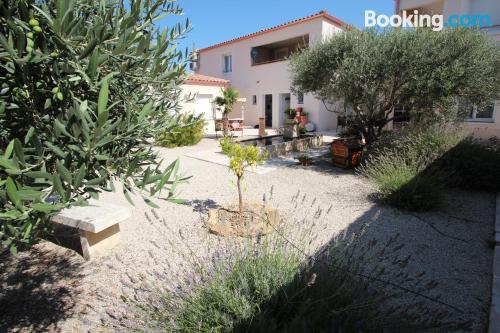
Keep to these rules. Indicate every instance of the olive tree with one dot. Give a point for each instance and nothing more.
(84, 88)
(371, 72)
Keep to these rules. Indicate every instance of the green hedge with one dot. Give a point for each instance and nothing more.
(188, 132)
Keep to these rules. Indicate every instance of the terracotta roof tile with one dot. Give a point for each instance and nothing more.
(339, 23)
(206, 80)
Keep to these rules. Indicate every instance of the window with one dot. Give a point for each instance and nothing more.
(254, 99)
(227, 64)
(281, 53)
(485, 114)
(401, 117)
(300, 98)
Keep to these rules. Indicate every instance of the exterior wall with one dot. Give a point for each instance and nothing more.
(189, 92)
(270, 78)
(486, 128)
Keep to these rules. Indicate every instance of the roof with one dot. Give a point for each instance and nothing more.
(322, 14)
(198, 79)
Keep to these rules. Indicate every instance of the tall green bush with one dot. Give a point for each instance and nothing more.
(85, 86)
(188, 132)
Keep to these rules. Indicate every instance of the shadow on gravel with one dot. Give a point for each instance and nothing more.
(37, 289)
(202, 206)
(390, 271)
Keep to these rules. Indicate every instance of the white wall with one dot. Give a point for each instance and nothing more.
(189, 92)
(270, 78)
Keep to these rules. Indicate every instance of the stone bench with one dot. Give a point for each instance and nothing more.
(98, 226)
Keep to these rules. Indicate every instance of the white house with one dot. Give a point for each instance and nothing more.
(483, 123)
(257, 65)
(198, 94)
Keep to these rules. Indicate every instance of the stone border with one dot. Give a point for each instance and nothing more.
(494, 324)
(298, 144)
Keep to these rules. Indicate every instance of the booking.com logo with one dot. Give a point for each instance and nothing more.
(413, 19)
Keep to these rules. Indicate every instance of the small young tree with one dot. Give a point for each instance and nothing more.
(239, 159)
(372, 72)
(226, 102)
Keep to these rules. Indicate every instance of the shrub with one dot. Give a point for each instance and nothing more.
(85, 85)
(187, 132)
(473, 164)
(411, 167)
(270, 287)
(406, 166)
(402, 183)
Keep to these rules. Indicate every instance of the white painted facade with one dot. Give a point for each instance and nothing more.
(485, 127)
(198, 99)
(254, 82)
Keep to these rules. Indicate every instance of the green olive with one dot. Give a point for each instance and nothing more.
(29, 34)
(54, 54)
(34, 22)
(30, 42)
(29, 49)
(37, 29)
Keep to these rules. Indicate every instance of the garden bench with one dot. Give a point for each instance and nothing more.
(98, 226)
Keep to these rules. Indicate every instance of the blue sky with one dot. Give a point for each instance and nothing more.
(216, 21)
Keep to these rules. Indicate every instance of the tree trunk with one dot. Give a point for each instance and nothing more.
(225, 123)
(240, 198)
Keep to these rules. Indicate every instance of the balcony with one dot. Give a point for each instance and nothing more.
(429, 7)
(278, 51)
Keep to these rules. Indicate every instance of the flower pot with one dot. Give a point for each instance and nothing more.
(302, 120)
(346, 153)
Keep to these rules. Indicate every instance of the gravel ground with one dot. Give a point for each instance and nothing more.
(444, 255)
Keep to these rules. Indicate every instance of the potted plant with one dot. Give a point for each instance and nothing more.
(302, 118)
(304, 160)
(290, 113)
(302, 131)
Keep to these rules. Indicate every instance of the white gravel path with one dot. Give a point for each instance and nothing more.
(52, 289)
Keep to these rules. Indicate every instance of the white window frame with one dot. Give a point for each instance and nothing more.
(224, 68)
(474, 118)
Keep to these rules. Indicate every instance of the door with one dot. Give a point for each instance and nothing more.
(269, 110)
(203, 106)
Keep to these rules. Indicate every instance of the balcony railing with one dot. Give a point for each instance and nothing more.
(278, 51)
